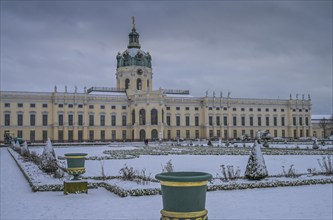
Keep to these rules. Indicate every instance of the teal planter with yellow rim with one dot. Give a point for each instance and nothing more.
(184, 195)
(75, 164)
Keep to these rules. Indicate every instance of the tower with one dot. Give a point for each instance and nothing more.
(134, 70)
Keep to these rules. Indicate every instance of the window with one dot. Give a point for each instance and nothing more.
(91, 106)
(196, 119)
(210, 120)
(234, 121)
(32, 136)
(275, 121)
(274, 110)
(187, 108)
(138, 84)
(251, 109)
(225, 108)
(80, 120)
(283, 133)
(32, 105)
(142, 117)
(20, 105)
(113, 120)
(168, 120)
(294, 121)
(102, 120)
(61, 120)
(225, 120)
(242, 109)
(218, 123)
(282, 109)
(187, 120)
(102, 135)
(80, 106)
(226, 134)
(178, 133)
(259, 121)
(80, 135)
(234, 109)
(251, 120)
(267, 121)
(196, 109)
(113, 135)
(32, 120)
(243, 120)
(70, 136)
(44, 105)
(168, 108)
(177, 120)
(20, 119)
(218, 133)
(124, 134)
(127, 82)
(123, 107)
(91, 120)
(301, 123)
(282, 121)
(60, 105)
(301, 111)
(307, 122)
(187, 134)
(235, 133)
(196, 133)
(70, 120)
(123, 120)
(294, 110)
(7, 119)
(154, 116)
(113, 107)
(45, 120)
(217, 108)
(259, 109)
(102, 107)
(7, 105)
(267, 109)
(178, 108)
(210, 108)
(44, 135)
(91, 135)
(70, 105)
(211, 133)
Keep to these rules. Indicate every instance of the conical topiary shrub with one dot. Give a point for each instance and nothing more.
(256, 168)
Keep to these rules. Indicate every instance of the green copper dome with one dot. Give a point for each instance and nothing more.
(133, 55)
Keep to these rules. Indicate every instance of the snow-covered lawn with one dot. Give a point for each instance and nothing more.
(301, 202)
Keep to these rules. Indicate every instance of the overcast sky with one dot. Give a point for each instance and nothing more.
(254, 49)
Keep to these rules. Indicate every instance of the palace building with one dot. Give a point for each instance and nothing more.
(133, 110)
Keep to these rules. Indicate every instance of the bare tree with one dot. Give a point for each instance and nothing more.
(326, 124)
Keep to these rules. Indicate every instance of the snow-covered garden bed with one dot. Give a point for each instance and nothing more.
(208, 158)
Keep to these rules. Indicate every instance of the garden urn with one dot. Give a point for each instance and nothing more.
(75, 164)
(184, 195)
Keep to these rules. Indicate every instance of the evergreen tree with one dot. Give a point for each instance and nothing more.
(256, 168)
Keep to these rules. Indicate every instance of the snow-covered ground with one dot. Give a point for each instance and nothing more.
(302, 202)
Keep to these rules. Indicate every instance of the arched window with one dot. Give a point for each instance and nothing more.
(138, 84)
(153, 117)
(142, 117)
(142, 135)
(154, 134)
(133, 117)
(127, 82)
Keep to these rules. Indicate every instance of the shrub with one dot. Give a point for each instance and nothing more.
(326, 165)
(168, 167)
(290, 173)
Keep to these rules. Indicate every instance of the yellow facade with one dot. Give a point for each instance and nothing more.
(134, 111)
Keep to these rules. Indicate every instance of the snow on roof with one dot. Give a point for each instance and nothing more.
(179, 96)
(109, 93)
(319, 117)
